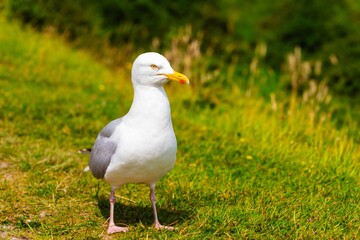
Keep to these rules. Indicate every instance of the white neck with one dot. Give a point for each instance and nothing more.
(150, 105)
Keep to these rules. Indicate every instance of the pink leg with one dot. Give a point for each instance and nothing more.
(112, 227)
(157, 225)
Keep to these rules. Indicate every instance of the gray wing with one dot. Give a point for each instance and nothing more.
(103, 150)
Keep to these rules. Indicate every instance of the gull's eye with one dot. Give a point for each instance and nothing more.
(154, 67)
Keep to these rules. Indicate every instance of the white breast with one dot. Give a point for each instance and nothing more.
(146, 143)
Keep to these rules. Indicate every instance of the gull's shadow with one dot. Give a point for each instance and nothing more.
(133, 214)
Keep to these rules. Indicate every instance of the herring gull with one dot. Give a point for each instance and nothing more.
(139, 147)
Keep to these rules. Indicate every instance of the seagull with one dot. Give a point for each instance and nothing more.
(139, 147)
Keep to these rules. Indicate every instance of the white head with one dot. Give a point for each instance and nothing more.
(153, 69)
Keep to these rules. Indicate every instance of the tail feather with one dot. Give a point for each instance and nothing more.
(85, 151)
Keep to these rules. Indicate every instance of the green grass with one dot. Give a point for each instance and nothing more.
(245, 169)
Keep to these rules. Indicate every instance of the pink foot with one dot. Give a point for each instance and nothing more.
(115, 229)
(158, 226)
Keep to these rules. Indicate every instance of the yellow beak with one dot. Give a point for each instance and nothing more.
(176, 76)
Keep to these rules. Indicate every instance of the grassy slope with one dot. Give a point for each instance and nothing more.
(243, 169)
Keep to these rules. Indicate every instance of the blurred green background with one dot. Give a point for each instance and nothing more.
(325, 30)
